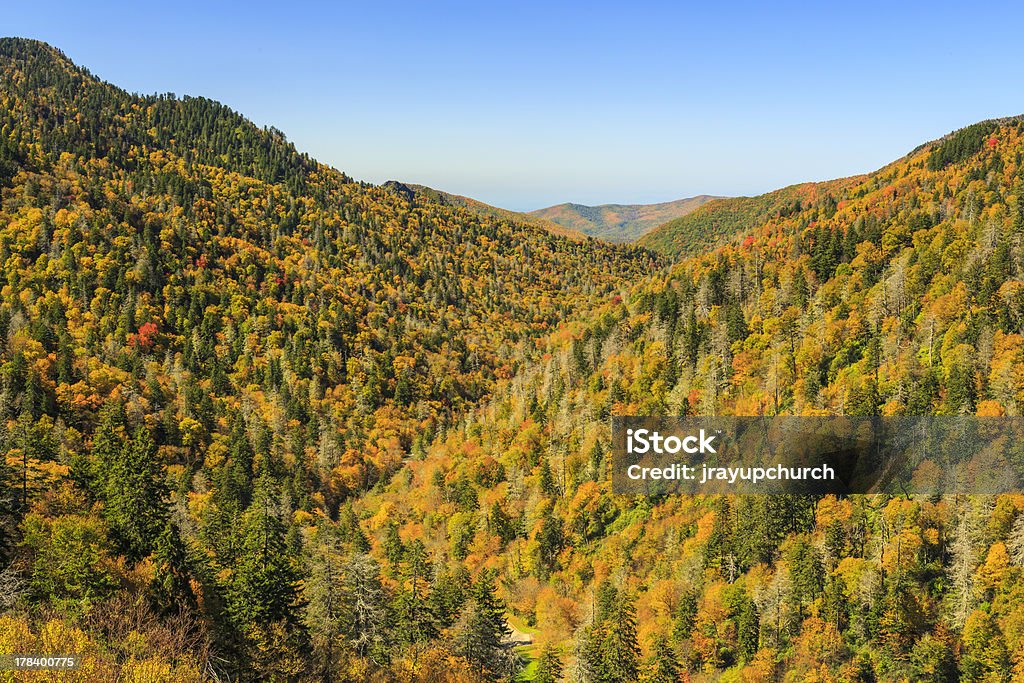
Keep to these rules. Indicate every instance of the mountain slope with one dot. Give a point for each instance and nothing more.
(618, 222)
(900, 294)
(265, 423)
(210, 343)
(729, 219)
(199, 198)
(722, 220)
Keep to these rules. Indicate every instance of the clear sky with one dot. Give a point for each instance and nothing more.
(525, 104)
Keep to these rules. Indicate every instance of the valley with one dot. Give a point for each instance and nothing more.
(263, 421)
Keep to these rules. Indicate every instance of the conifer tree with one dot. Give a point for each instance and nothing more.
(326, 610)
(549, 665)
(482, 627)
(620, 653)
(135, 496)
(263, 586)
(171, 588)
(661, 666)
(607, 648)
(414, 617)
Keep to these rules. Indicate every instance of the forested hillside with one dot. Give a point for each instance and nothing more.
(262, 422)
(726, 219)
(898, 294)
(211, 344)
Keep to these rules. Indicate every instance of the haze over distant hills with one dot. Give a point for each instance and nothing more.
(619, 222)
(609, 222)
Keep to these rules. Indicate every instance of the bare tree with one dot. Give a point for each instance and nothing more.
(11, 587)
(1015, 542)
(964, 560)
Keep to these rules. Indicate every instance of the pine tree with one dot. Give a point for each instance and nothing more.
(548, 486)
(262, 588)
(748, 628)
(800, 290)
(413, 615)
(448, 594)
(549, 665)
(805, 574)
(107, 442)
(482, 627)
(134, 495)
(549, 543)
(661, 666)
(685, 616)
(393, 549)
(607, 649)
(170, 588)
(9, 501)
(620, 653)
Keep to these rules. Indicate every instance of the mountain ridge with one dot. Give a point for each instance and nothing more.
(727, 219)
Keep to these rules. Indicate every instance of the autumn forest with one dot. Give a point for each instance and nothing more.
(262, 421)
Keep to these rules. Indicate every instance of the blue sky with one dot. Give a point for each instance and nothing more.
(528, 104)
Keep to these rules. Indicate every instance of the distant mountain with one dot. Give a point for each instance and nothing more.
(618, 222)
(482, 209)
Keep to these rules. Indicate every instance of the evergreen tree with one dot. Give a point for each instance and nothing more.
(448, 594)
(549, 542)
(685, 616)
(607, 649)
(548, 486)
(263, 588)
(393, 549)
(107, 442)
(549, 666)
(171, 588)
(134, 494)
(661, 667)
(620, 653)
(748, 629)
(482, 628)
(9, 502)
(414, 617)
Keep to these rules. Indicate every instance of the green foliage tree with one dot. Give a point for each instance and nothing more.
(482, 628)
(549, 665)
